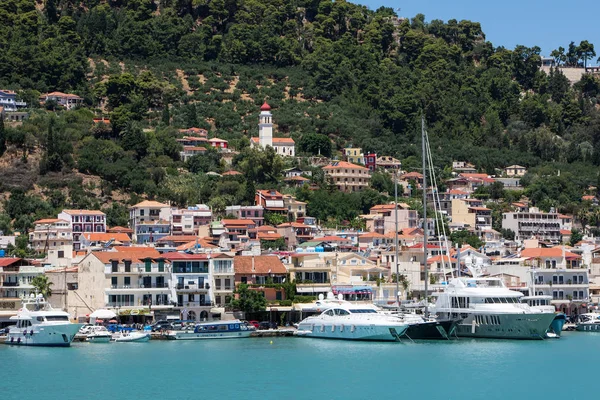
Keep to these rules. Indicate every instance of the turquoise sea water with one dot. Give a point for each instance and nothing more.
(302, 368)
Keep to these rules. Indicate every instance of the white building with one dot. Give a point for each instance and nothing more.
(533, 223)
(16, 275)
(282, 146)
(186, 221)
(150, 221)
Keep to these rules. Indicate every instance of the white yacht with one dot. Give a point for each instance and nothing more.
(488, 309)
(38, 324)
(349, 322)
(544, 304)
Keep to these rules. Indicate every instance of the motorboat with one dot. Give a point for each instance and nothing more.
(324, 303)
(38, 324)
(589, 322)
(347, 322)
(130, 336)
(233, 329)
(98, 334)
(543, 304)
(488, 309)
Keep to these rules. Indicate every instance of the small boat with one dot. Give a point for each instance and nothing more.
(233, 329)
(99, 334)
(542, 304)
(421, 328)
(38, 324)
(589, 322)
(131, 336)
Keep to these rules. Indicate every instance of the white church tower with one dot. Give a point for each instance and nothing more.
(265, 126)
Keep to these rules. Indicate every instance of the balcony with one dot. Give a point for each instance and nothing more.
(10, 284)
(196, 304)
(115, 304)
(223, 271)
(204, 287)
(140, 287)
(223, 288)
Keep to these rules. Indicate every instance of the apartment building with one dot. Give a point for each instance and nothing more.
(150, 221)
(187, 221)
(533, 223)
(254, 213)
(54, 238)
(348, 177)
(83, 221)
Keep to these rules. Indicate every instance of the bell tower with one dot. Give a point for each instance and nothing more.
(265, 126)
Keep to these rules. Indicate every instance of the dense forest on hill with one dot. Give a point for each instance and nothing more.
(335, 73)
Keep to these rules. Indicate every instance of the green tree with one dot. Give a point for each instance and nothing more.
(2, 136)
(274, 219)
(576, 237)
(466, 237)
(248, 300)
(42, 285)
(585, 51)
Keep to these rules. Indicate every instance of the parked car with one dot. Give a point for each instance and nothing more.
(256, 324)
(267, 325)
(160, 325)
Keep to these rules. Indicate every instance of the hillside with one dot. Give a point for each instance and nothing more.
(335, 74)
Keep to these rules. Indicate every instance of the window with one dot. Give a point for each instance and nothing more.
(115, 266)
(127, 281)
(161, 266)
(191, 298)
(127, 265)
(61, 254)
(218, 284)
(113, 282)
(72, 286)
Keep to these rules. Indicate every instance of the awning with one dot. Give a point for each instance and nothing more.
(312, 289)
(103, 314)
(352, 289)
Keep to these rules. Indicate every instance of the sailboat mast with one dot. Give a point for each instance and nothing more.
(396, 238)
(425, 214)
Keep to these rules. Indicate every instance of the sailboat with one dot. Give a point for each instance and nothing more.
(420, 326)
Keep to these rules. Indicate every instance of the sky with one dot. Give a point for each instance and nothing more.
(547, 24)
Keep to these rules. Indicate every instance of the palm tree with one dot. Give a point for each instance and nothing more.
(42, 285)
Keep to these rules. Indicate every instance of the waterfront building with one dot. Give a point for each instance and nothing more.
(259, 272)
(66, 294)
(138, 280)
(223, 274)
(83, 221)
(16, 275)
(561, 274)
(150, 221)
(347, 177)
(193, 284)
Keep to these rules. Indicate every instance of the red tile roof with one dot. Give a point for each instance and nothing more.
(105, 237)
(262, 265)
(5, 262)
(176, 256)
(280, 140)
(343, 164)
(547, 252)
(135, 255)
(231, 173)
(238, 222)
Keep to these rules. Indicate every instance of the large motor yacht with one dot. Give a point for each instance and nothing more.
(38, 324)
(488, 309)
(342, 320)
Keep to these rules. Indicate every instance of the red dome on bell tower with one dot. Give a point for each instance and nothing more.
(265, 107)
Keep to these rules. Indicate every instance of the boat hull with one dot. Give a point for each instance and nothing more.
(588, 327)
(505, 326)
(557, 324)
(132, 338)
(59, 335)
(433, 330)
(385, 333)
(99, 338)
(191, 335)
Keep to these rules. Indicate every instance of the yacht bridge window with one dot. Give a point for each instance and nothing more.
(499, 300)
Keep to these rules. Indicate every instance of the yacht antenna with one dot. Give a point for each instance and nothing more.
(396, 238)
(425, 214)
